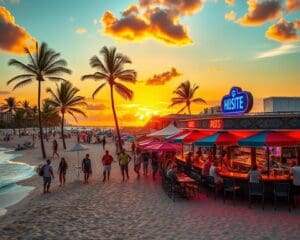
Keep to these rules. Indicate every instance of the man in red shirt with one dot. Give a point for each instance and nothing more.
(106, 161)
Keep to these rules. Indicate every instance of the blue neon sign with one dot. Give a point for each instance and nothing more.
(237, 102)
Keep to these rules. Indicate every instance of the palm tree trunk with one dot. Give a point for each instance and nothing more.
(62, 130)
(115, 117)
(40, 120)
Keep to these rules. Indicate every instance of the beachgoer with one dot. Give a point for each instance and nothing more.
(137, 159)
(47, 175)
(133, 147)
(107, 159)
(154, 164)
(62, 170)
(188, 163)
(295, 172)
(55, 147)
(214, 172)
(254, 175)
(103, 142)
(145, 157)
(171, 173)
(86, 168)
(206, 167)
(124, 160)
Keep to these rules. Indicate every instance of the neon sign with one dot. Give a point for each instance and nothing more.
(237, 101)
(216, 123)
(191, 124)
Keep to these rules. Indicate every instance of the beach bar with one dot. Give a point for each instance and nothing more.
(238, 139)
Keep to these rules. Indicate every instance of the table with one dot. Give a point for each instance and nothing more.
(184, 181)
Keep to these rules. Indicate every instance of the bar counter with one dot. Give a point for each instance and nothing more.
(241, 176)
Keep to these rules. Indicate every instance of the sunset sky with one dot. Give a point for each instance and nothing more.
(215, 44)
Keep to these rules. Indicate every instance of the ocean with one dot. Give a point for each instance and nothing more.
(10, 173)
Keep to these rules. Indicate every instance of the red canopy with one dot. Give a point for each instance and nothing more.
(163, 146)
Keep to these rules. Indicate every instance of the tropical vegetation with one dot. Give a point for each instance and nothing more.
(65, 100)
(185, 95)
(110, 71)
(44, 64)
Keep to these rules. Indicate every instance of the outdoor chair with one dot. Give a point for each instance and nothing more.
(257, 190)
(281, 190)
(211, 186)
(230, 187)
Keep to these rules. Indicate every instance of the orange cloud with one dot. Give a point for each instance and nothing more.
(292, 5)
(96, 107)
(163, 78)
(230, 16)
(260, 12)
(14, 38)
(230, 2)
(4, 92)
(297, 24)
(283, 31)
(158, 19)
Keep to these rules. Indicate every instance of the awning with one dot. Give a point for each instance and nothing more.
(145, 143)
(163, 146)
(171, 137)
(272, 138)
(193, 136)
(167, 131)
(223, 138)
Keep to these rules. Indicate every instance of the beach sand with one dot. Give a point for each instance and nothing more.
(134, 209)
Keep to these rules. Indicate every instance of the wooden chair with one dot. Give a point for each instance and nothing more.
(257, 190)
(230, 187)
(281, 190)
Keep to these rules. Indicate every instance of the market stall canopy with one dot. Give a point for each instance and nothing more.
(167, 131)
(182, 133)
(145, 143)
(223, 138)
(128, 138)
(272, 138)
(163, 146)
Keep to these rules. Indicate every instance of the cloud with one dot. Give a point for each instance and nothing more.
(261, 12)
(292, 5)
(230, 2)
(283, 31)
(4, 92)
(230, 16)
(297, 24)
(282, 50)
(96, 107)
(157, 19)
(81, 30)
(163, 78)
(14, 38)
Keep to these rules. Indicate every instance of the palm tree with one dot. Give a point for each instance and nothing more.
(25, 105)
(10, 106)
(64, 101)
(49, 116)
(185, 95)
(109, 71)
(43, 65)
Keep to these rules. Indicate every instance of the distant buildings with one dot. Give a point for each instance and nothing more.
(5, 117)
(282, 104)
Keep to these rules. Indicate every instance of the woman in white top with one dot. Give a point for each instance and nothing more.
(254, 175)
(214, 172)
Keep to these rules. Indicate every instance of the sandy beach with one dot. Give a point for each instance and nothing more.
(135, 209)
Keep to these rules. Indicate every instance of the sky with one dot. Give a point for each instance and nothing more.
(215, 44)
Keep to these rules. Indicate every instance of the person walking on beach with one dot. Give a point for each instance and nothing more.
(86, 168)
(103, 142)
(55, 148)
(62, 170)
(133, 147)
(154, 164)
(137, 160)
(47, 173)
(124, 160)
(107, 159)
(145, 158)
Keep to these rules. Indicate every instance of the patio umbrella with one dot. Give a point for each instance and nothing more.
(163, 146)
(193, 136)
(128, 138)
(77, 148)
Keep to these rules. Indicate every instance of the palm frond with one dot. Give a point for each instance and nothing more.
(22, 83)
(125, 92)
(19, 77)
(199, 100)
(22, 66)
(98, 89)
